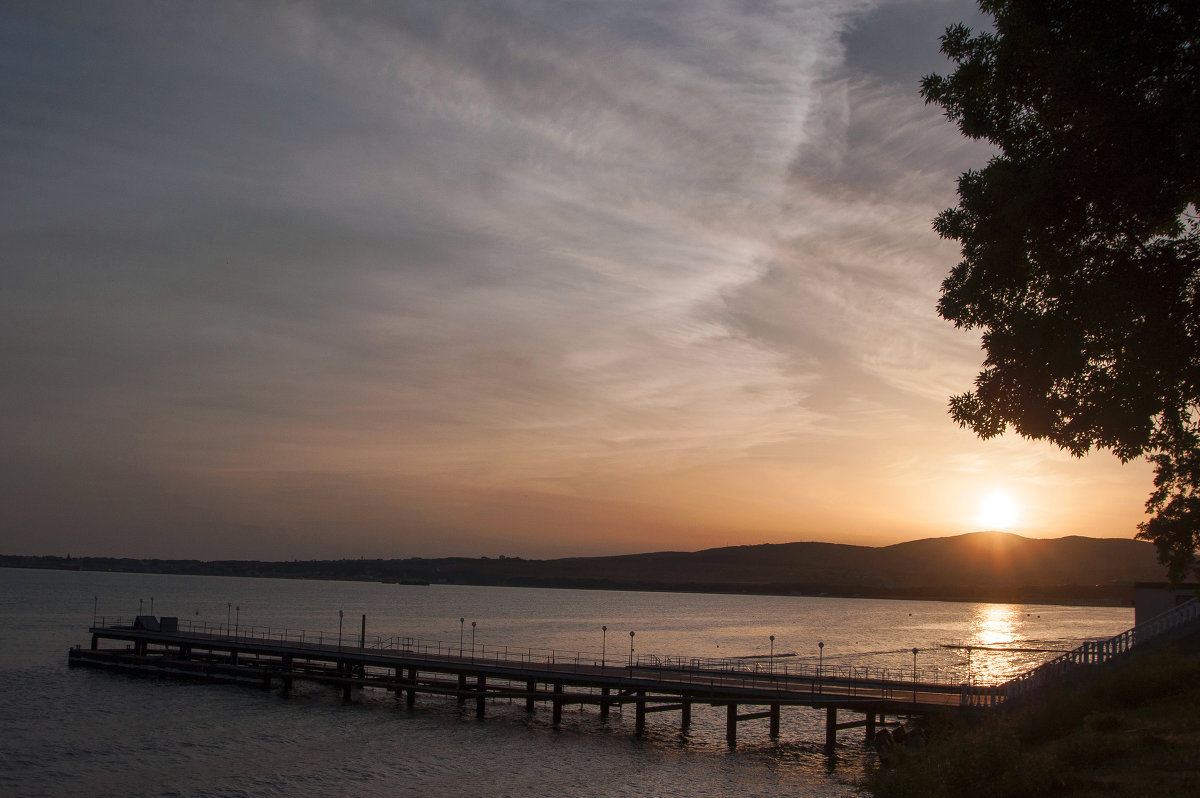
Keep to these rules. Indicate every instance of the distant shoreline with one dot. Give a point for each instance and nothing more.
(1107, 595)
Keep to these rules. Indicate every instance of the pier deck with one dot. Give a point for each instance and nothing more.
(649, 684)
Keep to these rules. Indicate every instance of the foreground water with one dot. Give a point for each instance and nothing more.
(79, 732)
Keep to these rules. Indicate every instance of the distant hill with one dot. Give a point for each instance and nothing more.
(982, 566)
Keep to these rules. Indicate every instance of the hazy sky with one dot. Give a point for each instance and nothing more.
(338, 279)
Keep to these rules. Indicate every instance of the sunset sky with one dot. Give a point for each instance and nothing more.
(322, 280)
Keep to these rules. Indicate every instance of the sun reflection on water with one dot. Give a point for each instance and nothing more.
(995, 624)
(996, 629)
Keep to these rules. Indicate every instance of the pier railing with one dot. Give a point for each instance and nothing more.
(784, 671)
(1100, 651)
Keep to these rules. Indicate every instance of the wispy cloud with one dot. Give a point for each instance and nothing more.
(440, 276)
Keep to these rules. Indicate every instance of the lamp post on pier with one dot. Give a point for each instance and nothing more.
(472, 641)
(228, 616)
(341, 614)
(631, 649)
(915, 652)
(820, 662)
(772, 653)
(237, 619)
(461, 621)
(603, 645)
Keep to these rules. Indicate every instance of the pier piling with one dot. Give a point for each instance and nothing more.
(557, 703)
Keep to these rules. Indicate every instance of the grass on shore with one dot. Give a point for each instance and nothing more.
(1130, 730)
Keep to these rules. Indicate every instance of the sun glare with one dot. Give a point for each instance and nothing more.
(998, 511)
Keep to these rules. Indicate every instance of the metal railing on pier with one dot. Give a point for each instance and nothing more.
(761, 673)
(787, 675)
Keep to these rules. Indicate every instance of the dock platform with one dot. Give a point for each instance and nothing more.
(409, 668)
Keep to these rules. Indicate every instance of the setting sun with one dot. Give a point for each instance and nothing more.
(998, 511)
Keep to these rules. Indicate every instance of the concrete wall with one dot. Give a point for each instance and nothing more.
(1151, 599)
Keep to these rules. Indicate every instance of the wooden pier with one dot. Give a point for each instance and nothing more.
(748, 692)
(410, 667)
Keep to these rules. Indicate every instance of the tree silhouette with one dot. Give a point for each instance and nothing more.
(1080, 238)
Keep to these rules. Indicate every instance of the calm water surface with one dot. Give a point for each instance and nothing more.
(79, 732)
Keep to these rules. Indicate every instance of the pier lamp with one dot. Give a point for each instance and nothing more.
(140, 606)
(341, 614)
(473, 641)
(915, 652)
(820, 658)
(237, 619)
(603, 644)
(772, 652)
(228, 616)
(631, 649)
(461, 621)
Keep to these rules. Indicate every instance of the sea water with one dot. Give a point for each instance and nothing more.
(81, 732)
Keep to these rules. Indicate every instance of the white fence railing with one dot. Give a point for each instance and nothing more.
(1098, 651)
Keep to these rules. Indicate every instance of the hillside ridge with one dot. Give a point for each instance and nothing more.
(979, 566)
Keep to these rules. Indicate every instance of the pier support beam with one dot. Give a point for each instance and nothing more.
(685, 715)
(604, 692)
(530, 689)
(640, 720)
(831, 727)
(774, 721)
(870, 726)
(462, 689)
(412, 690)
(557, 703)
(481, 700)
(731, 724)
